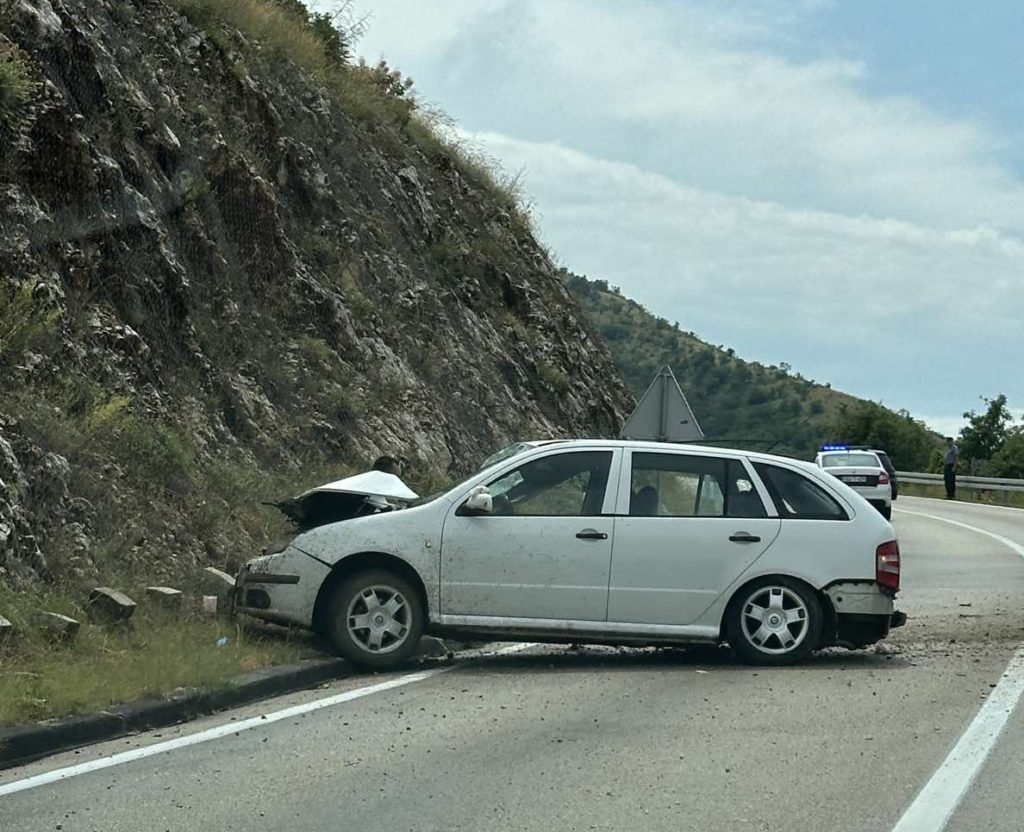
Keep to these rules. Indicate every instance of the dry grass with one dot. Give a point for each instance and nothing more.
(279, 33)
(360, 90)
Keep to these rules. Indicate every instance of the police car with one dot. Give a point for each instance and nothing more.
(862, 469)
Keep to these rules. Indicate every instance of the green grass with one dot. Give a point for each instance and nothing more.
(965, 495)
(24, 322)
(16, 82)
(150, 656)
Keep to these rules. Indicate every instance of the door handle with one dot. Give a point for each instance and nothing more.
(744, 537)
(591, 534)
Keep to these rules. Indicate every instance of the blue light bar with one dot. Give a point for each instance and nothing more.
(835, 447)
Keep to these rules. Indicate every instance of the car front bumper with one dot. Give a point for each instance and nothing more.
(281, 588)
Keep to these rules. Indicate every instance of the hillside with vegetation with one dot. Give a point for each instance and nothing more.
(743, 401)
(236, 263)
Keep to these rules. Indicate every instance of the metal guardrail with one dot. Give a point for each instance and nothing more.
(976, 483)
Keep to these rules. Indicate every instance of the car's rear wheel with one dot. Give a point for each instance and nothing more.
(886, 512)
(775, 621)
(375, 619)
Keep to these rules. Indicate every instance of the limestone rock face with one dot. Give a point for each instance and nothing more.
(220, 284)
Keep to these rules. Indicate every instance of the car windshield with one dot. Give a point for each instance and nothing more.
(507, 452)
(850, 461)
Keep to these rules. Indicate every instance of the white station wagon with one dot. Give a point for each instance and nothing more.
(595, 541)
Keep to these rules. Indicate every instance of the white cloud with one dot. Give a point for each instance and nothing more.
(702, 96)
(946, 425)
(769, 202)
(886, 308)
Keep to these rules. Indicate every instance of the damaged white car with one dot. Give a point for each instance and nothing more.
(587, 541)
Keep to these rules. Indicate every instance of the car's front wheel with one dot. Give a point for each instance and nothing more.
(376, 619)
(774, 621)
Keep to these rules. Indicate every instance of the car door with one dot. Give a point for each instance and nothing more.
(687, 527)
(544, 552)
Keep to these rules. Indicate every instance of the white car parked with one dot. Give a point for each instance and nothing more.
(863, 471)
(597, 541)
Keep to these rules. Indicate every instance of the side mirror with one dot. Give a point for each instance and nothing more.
(479, 502)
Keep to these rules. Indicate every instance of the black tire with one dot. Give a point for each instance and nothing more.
(355, 643)
(886, 512)
(804, 632)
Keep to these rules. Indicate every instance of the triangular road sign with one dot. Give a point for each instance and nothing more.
(663, 414)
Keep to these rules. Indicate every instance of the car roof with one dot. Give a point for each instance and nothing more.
(650, 445)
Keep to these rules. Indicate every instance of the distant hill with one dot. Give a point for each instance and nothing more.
(733, 399)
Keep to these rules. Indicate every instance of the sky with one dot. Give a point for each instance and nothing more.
(834, 185)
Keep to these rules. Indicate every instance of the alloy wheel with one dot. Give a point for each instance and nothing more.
(379, 619)
(775, 620)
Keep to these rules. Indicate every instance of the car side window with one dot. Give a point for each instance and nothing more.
(742, 498)
(677, 485)
(569, 484)
(798, 498)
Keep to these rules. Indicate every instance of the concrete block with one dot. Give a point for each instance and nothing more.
(56, 626)
(165, 597)
(221, 586)
(210, 604)
(216, 582)
(110, 605)
(6, 630)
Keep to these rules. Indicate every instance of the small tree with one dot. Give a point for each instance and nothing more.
(1008, 461)
(986, 432)
(907, 441)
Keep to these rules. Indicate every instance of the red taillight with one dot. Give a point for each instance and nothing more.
(883, 478)
(887, 565)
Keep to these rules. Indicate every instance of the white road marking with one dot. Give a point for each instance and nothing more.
(936, 802)
(1004, 540)
(229, 728)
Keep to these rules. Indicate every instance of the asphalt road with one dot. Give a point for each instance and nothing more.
(604, 739)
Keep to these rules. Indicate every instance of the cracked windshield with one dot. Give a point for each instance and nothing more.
(511, 415)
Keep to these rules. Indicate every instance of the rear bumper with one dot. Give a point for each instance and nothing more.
(859, 598)
(864, 613)
(879, 494)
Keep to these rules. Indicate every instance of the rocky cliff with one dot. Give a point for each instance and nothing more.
(230, 267)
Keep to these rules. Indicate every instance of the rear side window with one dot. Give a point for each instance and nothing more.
(797, 497)
(677, 485)
(886, 462)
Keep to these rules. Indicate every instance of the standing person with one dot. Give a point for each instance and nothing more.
(949, 468)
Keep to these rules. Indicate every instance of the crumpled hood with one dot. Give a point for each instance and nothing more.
(345, 498)
(369, 484)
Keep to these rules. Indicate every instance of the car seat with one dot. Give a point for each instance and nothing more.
(645, 502)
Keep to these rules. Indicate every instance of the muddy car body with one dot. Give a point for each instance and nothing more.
(597, 541)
